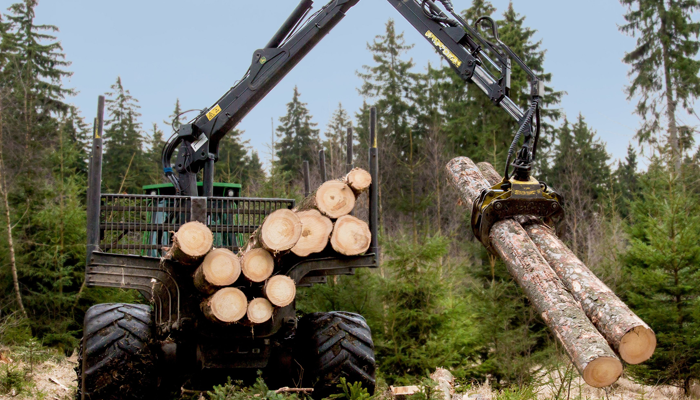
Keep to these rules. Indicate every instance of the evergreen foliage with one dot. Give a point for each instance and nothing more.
(663, 265)
(124, 157)
(664, 67)
(299, 140)
(335, 145)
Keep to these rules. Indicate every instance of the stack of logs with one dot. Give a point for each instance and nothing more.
(589, 320)
(322, 220)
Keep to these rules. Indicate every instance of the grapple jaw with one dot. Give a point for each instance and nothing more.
(510, 198)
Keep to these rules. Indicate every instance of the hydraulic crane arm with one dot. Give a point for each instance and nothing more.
(462, 46)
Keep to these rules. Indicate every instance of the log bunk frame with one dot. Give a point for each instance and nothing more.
(128, 237)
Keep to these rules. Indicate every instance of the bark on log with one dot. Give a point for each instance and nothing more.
(219, 268)
(315, 231)
(589, 351)
(257, 264)
(358, 180)
(351, 236)
(259, 310)
(226, 305)
(631, 337)
(280, 290)
(278, 232)
(191, 243)
(333, 199)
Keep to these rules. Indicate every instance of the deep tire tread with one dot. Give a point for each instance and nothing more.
(334, 345)
(115, 359)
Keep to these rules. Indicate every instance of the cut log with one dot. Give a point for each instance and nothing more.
(333, 199)
(191, 243)
(624, 330)
(279, 232)
(226, 305)
(280, 290)
(351, 236)
(259, 310)
(315, 231)
(587, 348)
(219, 268)
(358, 180)
(257, 264)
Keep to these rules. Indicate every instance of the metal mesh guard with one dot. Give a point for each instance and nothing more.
(142, 224)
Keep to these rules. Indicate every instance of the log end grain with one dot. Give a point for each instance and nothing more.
(335, 199)
(257, 264)
(221, 267)
(280, 231)
(259, 310)
(191, 242)
(358, 180)
(603, 371)
(280, 290)
(638, 345)
(351, 236)
(226, 305)
(315, 232)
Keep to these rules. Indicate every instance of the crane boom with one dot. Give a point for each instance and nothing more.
(466, 51)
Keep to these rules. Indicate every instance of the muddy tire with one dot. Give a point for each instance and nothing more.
(334, 345)
(115, 361)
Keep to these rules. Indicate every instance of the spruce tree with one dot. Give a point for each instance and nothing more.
(232, 164)
(662, 266)
(154, 166)
(626, 179)
(124, 158)
(175, 119)
(579, 171)
(335, 144)
(299, 140)
(664, 67)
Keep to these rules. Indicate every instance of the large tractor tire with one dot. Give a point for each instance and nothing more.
(334, 345)
(115, 361)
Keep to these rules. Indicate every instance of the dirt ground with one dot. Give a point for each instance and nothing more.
(56, 380)
(50, 380)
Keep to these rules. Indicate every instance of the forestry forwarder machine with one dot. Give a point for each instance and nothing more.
(139, 351)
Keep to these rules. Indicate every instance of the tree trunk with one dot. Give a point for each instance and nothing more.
(191, 243)
(259, 310)
(257, 264)
(4, 191)
(226, 305)
(219, 268)
(358, 180)
(279, 232)
(315, 231)
(668, 93)
(623, 329)
(280, 290)
(333, 199)
(351, 236)
(588, 350)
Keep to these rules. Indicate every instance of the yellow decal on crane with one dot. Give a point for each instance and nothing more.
(445, 51)
(213, 112)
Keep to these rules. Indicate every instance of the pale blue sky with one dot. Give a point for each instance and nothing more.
(195, 51)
